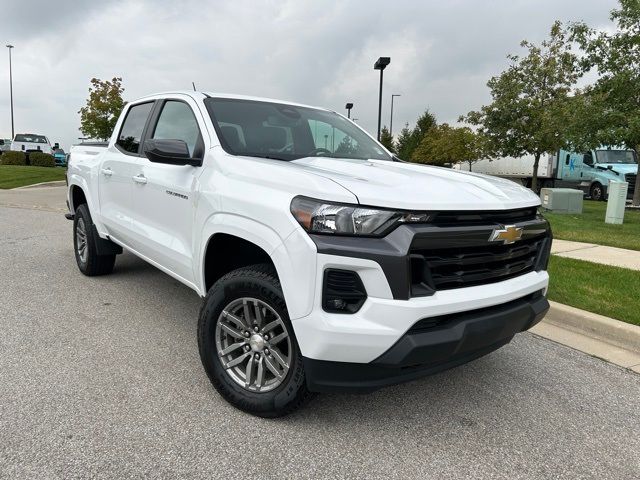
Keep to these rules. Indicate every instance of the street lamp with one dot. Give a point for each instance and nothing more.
(349, 106)
(391, 121)
(11, 90)
(380, 64)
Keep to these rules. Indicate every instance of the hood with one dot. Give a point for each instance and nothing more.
(411, 186)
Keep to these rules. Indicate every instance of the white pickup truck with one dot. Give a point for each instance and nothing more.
(31, 142)
(325, 263)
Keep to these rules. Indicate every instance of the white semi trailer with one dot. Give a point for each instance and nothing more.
(590, 172)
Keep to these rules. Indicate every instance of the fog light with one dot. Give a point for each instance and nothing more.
(342, 291)
(336, 304)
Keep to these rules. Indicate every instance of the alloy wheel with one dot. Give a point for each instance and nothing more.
(253, 344)
(81, 240)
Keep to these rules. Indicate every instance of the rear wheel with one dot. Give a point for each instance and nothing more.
(247, 344)
(84, 243)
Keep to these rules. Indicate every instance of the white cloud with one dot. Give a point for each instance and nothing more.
(314, 52)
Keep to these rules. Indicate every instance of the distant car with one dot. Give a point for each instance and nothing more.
(59, 156)
(31, 142)
(5, 145)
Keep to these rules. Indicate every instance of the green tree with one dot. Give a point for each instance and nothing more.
(99, 116)
(444, 144)
(386, 139)
(402, 143)
(612, 102)
(529, 112)
(346, 147)
(408, 140)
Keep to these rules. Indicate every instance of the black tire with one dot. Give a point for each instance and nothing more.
(259, 282)
(89, 263)
(597, 192)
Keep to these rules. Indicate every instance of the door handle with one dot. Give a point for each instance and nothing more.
(107, 172)
(140, 179)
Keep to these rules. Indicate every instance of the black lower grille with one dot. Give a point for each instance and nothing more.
(447, 268)
(435, 323)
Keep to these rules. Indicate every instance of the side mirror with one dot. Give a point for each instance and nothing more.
(170, 151)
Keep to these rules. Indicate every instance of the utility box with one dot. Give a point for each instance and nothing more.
(562, 200)
(616, 203)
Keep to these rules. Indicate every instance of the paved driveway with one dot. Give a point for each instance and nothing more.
(101, 378)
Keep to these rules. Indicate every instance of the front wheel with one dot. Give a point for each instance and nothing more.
(247, 344)
(597, 192)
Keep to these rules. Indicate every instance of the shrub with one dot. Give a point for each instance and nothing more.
(39, 159)
(13, 158)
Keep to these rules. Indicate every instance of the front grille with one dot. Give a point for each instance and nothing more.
(448, 268)
(631, 179)
(504, 217)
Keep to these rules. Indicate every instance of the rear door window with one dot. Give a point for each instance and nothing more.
(133, 127)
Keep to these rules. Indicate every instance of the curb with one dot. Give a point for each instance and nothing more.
(55, 183)
(615, 332)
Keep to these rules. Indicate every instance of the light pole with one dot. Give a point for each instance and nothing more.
(349, 106)
(11, 90)
(391, 121)
(380, 64)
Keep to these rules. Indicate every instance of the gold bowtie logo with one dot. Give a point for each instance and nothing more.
(506, 235)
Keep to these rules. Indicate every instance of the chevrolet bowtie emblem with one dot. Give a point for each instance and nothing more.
(506, 235)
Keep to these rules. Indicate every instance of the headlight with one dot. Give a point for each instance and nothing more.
(316, 216)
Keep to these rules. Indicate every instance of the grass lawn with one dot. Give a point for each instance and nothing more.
(590, 227)
(12, 176)
(609, 291)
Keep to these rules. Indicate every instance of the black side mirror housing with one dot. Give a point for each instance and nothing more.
(170, 151)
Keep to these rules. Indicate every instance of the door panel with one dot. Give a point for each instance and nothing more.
(163, 222)
(114, 183)
(164, 195)
(117, 168)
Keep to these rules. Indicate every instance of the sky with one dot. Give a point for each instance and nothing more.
(309, 51)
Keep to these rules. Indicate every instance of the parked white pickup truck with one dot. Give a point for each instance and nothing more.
(325, 263)
(31, 142)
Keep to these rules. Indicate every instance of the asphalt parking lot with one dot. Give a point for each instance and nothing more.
(101, 378)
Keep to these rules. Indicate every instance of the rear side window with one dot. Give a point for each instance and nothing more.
(133, 126)
(177, 122)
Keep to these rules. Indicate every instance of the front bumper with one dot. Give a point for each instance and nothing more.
(416, 274)
(438, 344)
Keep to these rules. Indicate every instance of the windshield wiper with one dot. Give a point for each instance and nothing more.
(270, 157)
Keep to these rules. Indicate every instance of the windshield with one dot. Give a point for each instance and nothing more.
(30, 138)
(616, 156)
(287, 132)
